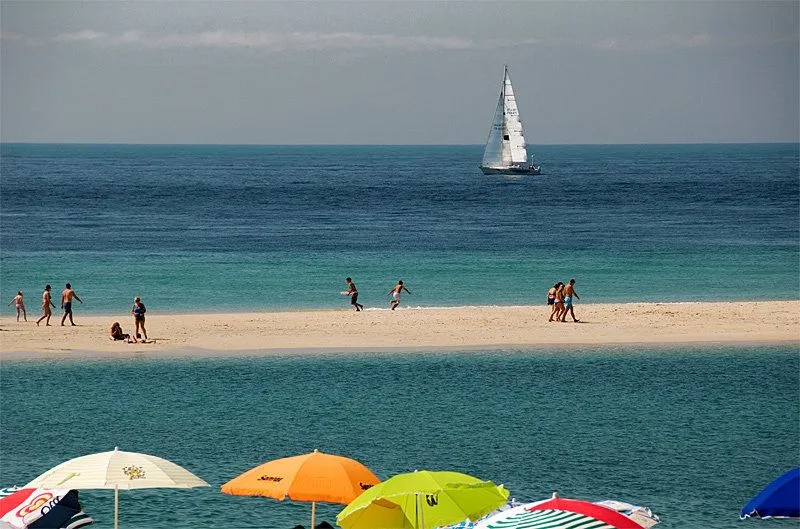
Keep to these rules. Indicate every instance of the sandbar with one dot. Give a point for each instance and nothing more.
(411, 328)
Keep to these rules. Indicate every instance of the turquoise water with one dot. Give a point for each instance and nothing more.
(227, 228)
(693, 433)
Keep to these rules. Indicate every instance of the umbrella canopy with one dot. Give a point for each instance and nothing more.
(30, 508)
(310, 477)
(779, 499)
(422, 499)
(559, 513)
(118, 470)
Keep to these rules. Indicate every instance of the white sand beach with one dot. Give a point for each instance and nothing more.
(411, 328)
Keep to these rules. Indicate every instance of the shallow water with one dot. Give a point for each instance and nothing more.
(227, 228)
(693, 433)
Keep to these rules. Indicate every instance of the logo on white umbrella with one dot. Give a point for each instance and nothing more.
(134, 472)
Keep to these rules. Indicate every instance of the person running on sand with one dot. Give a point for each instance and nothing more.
(569, 292)
(395, 293)
(551, 299)
(138, 311)
(20, 305)
(352, 291)
(116, 334)
(46, 303)
(66, 303)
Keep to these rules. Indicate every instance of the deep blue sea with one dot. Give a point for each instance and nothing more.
(233, 228)
(691, 432)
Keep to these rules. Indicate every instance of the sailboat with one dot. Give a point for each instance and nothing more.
(506, 151)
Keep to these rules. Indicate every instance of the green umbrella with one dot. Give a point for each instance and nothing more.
(422, 499)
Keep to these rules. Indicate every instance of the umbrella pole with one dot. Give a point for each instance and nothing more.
(116, 506)
(313, 513)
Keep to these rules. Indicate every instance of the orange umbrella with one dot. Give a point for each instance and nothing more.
(310, 477)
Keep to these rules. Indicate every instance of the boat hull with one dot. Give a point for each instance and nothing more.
(534, 169)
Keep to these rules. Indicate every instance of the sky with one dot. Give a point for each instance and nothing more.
(376, 72)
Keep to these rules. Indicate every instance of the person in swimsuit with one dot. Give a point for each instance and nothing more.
(66, 303)
(20, 305)
(569, 292)
(46, 303)
(116, 334)
(353, 293)
(551, 299)
(395, 293)
(558, 302)
(138, 311)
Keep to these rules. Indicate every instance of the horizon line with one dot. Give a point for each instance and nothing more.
(146, 144)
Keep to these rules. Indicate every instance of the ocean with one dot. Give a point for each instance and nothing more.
(691, 432)
(238, 228)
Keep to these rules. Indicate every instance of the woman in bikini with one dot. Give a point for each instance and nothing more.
(551, 299)
(20, 305)
(558, 304)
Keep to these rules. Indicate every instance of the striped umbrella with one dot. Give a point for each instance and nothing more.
(559, 513)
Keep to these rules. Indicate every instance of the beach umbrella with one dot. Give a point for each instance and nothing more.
(32, 508)
(422, 499)
(314, 477)
(469, 524)
(779, 499)
(560, 513)
(118, 470)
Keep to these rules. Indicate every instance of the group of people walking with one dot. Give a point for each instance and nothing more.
(559, 297)
(66, 303)
(395, 292)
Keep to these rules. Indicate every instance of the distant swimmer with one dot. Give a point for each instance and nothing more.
(352, 291)
(395, 293)
(66, 303)
(46, 303)
(569, 293)
(19, 304)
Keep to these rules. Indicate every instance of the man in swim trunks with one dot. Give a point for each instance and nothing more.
(66, 303)
(569, 292)
(46, 302)
(353, 293)
(395, 293)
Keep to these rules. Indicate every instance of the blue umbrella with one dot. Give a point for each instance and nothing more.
(779, 499)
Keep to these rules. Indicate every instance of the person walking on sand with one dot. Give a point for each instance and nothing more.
(395, 293)
(569, 293)
(138, 311)
(352, 291)
(66, 303)
(551, 299)
(558, 301)
(46, 303)
(19, 303)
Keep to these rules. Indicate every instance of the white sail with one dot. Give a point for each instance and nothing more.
(493, 155)
(516, 138)
(505, 147)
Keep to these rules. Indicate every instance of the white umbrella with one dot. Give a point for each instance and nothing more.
(117, 470)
